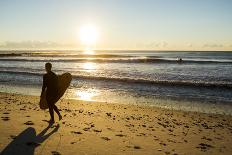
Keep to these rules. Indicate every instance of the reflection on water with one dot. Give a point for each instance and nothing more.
(88, 51)
(89, 66)
(86, 95)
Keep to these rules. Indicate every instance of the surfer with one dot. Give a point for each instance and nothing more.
(179, 60)
(50, 81)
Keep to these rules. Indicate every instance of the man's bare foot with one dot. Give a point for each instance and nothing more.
(60, 117)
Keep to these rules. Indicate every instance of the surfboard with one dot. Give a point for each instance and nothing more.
(64, 81)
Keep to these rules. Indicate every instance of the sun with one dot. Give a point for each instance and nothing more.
(88, 35)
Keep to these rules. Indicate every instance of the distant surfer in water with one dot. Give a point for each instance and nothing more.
(179, 60)
(50, 81)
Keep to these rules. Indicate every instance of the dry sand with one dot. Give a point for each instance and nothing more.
(104, 128)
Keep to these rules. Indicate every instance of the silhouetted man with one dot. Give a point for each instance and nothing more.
(50, 81)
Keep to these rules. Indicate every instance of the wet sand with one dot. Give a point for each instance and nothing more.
(105, 128)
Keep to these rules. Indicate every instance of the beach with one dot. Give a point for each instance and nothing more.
(107, 128)
(151, 77)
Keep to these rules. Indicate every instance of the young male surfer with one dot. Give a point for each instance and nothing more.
(50, 81)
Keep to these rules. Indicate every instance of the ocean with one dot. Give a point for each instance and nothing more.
(202, 81)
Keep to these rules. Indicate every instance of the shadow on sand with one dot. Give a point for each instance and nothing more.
(26, 142)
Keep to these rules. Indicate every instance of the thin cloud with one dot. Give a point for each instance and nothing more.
(213, 45)
(156, 44)
(190, 45)
(30, 44)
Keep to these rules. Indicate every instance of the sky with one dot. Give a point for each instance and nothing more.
(120, 24)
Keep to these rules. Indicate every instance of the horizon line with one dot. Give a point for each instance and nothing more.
(149, 50)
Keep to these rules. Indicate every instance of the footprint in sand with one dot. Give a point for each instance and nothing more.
(204, 147)
(109, 114)
(137, 147)
(86, 129)
(6, 118)
(29, 123)
(110, 129)
(120, 135)
(209, 139)
(13, 136)
(95, 130)
(167, 152)
(76, 132)
(141, 134)
(55, 153)
(105, 138)
(161, 143)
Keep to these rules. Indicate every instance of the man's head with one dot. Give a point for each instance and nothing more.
(48, 67)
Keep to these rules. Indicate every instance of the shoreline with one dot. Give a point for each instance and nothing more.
(183, 104)
(99, 128)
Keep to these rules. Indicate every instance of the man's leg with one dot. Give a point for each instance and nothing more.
(57, 111)
(50, 107)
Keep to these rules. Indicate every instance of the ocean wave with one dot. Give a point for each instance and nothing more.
(10, 54)
(64, 55)
(119, 60)
(227, 85)
(160, 82)
(21, 72)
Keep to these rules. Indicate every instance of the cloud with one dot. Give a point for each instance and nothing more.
(154, 44)
(31, 45)
(213, 45)
(190, 45)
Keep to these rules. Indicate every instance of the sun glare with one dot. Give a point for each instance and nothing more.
(88, 35)
(86, 95)
(88, 51)
(89, 66)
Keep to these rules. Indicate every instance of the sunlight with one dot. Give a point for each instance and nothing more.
(86, 95)
(89, 66)
(88, 51)
(88, 35)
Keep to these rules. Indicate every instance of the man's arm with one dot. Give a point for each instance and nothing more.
(44, 85)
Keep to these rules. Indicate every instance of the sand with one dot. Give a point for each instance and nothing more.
(105, 128)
